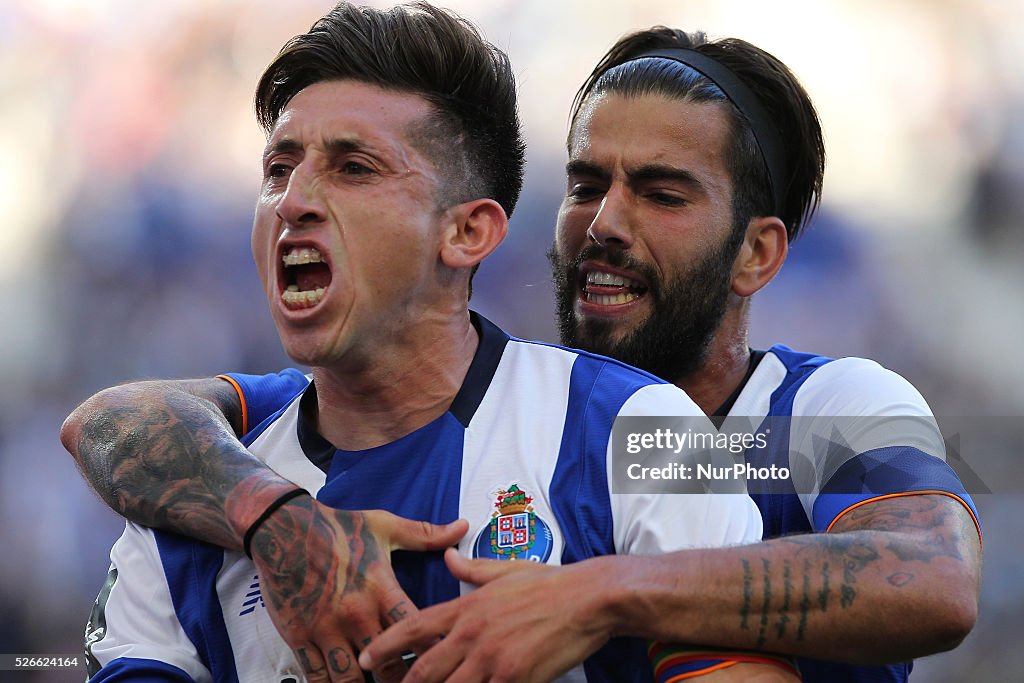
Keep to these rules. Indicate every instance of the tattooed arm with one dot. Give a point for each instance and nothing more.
(164, 455)
(895, 578)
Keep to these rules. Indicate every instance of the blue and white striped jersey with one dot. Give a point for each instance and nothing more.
(856, 432)
(888, 446)
(522, 453)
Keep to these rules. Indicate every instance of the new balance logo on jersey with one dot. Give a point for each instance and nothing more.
(252, 598)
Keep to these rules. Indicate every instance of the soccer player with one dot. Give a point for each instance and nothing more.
(690, 172)
(367, 228)
(692, 165)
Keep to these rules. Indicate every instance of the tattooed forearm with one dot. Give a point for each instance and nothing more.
(849, 551)
(168, 458)
(800, 583)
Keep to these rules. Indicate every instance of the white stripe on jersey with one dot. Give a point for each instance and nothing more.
(140, 618)
(501, 450)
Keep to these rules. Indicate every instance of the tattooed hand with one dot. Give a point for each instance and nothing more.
(164, 454)
(326, 578)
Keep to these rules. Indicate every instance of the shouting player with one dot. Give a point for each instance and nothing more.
(393, 157)
(693, 164)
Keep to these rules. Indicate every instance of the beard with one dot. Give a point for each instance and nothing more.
(672, 343)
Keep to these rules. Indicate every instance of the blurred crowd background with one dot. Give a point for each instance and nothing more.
(129, 165)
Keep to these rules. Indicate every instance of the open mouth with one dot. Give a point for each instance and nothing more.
(305, 277)
(610, 289)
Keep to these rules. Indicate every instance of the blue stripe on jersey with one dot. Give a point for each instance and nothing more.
(417, 477)
(884, 471)
(579, 491)
(191, 569)
(782, 513)
(136, 669)
(264, 394)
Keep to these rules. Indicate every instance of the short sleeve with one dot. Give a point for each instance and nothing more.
(866, 433)
(264, 395)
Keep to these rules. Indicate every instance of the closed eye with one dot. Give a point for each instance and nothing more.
(667, 199)
(583, 192)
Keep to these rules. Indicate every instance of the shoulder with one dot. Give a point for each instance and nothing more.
(857, 386)
(607, 382)
(610, 366)
(820, 385)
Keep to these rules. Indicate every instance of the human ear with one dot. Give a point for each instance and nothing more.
(761, 254)
(475, 229)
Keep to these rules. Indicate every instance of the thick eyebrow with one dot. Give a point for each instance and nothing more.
(338, 146)
(335, 147)
(657, 172)
(283, 146)
(645, 173)
(578, 167)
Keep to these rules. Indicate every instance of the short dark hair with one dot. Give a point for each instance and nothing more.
(786, 102)
(430, 52)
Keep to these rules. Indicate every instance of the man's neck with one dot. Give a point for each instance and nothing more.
(725, 365)
(399, 389)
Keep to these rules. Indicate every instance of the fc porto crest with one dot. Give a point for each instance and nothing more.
(515, 532)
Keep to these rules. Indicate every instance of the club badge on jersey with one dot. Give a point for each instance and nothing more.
(515, 531)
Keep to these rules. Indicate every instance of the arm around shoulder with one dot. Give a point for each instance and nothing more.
(165, 454)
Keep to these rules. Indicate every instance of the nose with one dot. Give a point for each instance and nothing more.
(610, 226)
(302, 202)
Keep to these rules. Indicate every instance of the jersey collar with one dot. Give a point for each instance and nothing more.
(478, 378)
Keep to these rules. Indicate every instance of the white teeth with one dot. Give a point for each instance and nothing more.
(595, 277)
(610, 299)
(293, 298)
(301, 255)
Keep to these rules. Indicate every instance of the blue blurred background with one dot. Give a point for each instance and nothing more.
(130, 164)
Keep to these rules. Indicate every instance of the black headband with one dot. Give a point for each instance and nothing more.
(765, 133)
